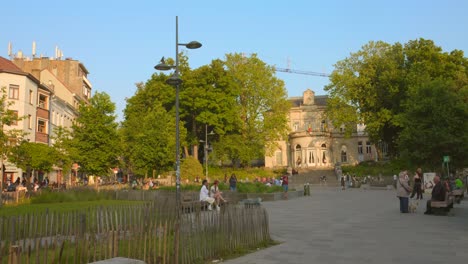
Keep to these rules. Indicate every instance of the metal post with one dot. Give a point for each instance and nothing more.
(177, 121)
(206, 151)
(177, 226)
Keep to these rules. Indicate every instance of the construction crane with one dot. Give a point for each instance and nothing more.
(302, 72)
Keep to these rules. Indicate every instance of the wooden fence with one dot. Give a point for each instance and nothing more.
(146, 232)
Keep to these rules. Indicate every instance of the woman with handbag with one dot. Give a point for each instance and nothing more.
(403, 191)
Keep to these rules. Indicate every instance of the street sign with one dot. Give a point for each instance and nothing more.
(446, 158)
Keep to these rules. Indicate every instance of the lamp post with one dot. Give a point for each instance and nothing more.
(206, 149)
(176, 81)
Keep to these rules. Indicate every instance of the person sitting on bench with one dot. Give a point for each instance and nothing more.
(438, 194)
(205, 195)
(216, 194)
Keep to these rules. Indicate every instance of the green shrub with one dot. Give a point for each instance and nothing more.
(191, 168)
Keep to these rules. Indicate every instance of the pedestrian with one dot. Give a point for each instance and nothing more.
(417, 188)
(395, 178)
(342, 182)
(233, 182)
(285, 184)
(403, 191)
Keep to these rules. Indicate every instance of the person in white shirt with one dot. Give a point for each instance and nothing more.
(205, 195)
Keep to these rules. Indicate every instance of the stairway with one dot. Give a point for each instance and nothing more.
(312, 176)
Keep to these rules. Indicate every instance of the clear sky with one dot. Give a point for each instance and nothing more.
(119, 42)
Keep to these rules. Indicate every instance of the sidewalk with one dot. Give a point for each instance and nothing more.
(361, 226)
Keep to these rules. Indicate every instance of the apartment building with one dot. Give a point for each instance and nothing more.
(313, 142)
(29, 99)
(68, 80)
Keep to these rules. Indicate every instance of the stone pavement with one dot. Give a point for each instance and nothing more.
(361, 226)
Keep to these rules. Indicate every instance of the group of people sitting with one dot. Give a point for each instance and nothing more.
(212, 196)
(24, 185)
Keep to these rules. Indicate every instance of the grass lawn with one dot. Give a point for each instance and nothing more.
(10, 210)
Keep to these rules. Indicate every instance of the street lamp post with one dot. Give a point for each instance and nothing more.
(206, 149)
(176, 81)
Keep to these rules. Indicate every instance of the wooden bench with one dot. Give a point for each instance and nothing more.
(458, 195)
(190, 202)
(443, 206)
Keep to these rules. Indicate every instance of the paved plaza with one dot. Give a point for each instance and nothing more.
(361, 226)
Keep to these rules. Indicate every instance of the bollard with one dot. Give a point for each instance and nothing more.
(307, 189)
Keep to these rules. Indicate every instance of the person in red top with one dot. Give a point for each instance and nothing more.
(284, 183)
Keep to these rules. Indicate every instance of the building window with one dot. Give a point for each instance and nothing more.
(359, 147)
(322, 126)
(29, 122)
(296, 126)
(42, 126)
(344, 156)
(43, 101)
(279, 158)
(31, 97)
(368, 147)
(13, 92)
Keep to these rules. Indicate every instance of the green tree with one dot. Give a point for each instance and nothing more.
(262, 106)
(95, 135)
(152, 144)
(63, 144)
(434, 124)
(368, 87)
(33, 156)
(207, 98)
(384, 86)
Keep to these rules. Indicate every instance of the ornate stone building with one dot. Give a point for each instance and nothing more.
(314, 143)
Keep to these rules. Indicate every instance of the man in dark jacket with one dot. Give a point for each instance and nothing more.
(438, 194)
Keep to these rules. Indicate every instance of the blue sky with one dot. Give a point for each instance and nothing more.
(120, 41)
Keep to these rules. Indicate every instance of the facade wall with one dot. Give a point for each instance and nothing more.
(313, 142)
(25, 105)
(71, 73)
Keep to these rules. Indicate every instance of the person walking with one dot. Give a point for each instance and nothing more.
(403, 191)
(342, 182)
(417, 188)
(285, 184)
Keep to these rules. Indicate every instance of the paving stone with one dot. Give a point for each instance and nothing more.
(360, 226)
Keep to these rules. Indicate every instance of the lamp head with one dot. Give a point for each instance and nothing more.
(193, 45)
(174, 80)
(162, 66)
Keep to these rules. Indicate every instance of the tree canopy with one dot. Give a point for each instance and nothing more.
(404, 95)
(95, 135)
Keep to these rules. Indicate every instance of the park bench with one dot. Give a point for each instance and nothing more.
(252, 202)
(444, 205)
(190, 202)
(458, 195)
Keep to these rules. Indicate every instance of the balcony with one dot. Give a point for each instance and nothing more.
(42, 137)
